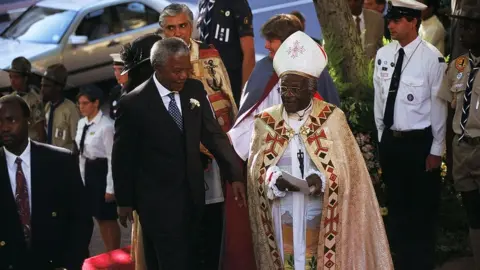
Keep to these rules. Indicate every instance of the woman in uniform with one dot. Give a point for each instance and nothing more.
(94, 140)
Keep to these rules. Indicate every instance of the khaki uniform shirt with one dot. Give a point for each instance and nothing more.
(453, 90)
(65, 120)
(37, 115)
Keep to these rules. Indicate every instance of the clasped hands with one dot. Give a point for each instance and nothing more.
(313, 181)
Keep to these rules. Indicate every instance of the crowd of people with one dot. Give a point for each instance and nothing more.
(221, 162)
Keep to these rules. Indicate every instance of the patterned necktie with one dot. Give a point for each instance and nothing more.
(82, 139)
(174, 111)
(467, 96)
(204, 19)
(22, 200)
(357, 21)
(393, 90)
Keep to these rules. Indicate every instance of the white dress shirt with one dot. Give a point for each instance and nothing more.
(98, 144)
(362, 21)
(241, 133)
(164, 92)
(26, 168)
(417, 105)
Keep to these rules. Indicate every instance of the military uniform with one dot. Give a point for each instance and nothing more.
(64, 126)
(35, 104)
(461, 87)
(466, 153)
(228, 22)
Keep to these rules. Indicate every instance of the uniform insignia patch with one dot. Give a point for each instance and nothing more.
(410, 97)
(392, 64)
(441, 60)
(227, 13)
(461, 63)
(379, 62)
(384, 68)
(459, 75)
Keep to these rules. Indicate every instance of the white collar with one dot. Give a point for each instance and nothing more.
(161, 89)
(410, 48)
(24, 156)
(359, 16)
(96, 119)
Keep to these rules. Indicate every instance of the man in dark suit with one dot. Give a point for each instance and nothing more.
(157, 167)
(45, 218)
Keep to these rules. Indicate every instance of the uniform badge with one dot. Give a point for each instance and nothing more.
(392, 64)
(461, 63)
(227, 13)
(92, 133)
(114, 103)
(379, 62)
(459, 75)
(384, 68)
(410, 97)
(245, 20)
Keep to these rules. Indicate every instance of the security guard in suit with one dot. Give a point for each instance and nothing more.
(227, 25)
(461, 87)
(20, 73)
(411, 124)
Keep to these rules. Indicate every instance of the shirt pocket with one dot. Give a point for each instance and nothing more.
(413, 91)
(61, 131)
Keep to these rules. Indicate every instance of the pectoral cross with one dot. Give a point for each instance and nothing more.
(300, 161)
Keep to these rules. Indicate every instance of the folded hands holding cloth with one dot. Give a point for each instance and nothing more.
(280, 182)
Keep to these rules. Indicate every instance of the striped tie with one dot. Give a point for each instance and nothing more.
(467, 97)
(205, 18)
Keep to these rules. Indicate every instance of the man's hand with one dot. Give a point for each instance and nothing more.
(125, 213)
(109, 197)
(315, 181)
(433, 162)
(284, 185)
(239, 193)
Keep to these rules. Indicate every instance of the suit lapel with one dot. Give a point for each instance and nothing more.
(5, 186)
(157, 106)
(186, 111)
(36, 176)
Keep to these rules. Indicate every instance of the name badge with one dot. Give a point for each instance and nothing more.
(60, 134)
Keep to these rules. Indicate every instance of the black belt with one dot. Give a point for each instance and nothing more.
(411, 134)
(471, 141)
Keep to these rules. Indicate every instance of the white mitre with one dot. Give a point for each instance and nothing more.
(300, 54)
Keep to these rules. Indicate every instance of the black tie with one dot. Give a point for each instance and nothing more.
(84, 134)
(393, 90)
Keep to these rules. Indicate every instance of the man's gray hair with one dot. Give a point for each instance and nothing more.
(173, 10)
(165, 48)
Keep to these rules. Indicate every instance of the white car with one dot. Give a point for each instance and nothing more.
(81, 34)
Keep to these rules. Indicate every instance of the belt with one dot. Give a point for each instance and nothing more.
(419, 133)
(471, 141)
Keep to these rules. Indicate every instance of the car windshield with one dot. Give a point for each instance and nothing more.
(40, 25)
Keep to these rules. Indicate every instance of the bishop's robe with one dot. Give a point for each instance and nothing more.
(351, 234)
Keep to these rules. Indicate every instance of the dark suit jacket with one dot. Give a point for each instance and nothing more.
(157, 169)
(374, 26)
(61, 223)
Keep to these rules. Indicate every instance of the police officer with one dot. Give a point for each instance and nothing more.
(227, 25)
(116, 92)
(461, 87)
(61, 114)
(19, 73)
(411, 120)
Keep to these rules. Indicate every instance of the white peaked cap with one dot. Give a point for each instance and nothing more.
(300, 54)
(116, 58)
(412, 4)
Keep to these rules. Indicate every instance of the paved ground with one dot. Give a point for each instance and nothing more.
(96, 244)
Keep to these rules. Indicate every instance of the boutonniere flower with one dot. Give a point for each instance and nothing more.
(194, 103)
